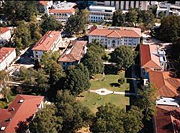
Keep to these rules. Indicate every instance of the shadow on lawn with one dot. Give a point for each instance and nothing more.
(115, 84)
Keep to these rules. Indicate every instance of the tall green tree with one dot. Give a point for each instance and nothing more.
(132, 16)
(75, 116)
(123, 56)
(133, 120)
(118, 18)
(77, 79)
(19, 10)
(76, 23)
(50, 23)
(146, 101)
(46, 121)
(108, 120)
(22, 35)
(93, 58)
(111, 119)
(171, 25)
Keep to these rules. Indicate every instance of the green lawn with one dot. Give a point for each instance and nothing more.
(93, 100)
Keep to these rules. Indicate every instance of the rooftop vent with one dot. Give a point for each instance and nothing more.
(21, 101)
(12, 109)
(3, 128)
(50, 36)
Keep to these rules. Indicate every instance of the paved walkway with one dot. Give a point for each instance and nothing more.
(104, 91)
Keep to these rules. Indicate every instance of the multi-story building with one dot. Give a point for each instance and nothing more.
(100, 13)
(5, 35)
(73, 54)
(112, 37)
(125, 5)
(62, 10)
(19, 113)
(7, 55)
(167, 119)
(51, 41)
(151, 58)
(168, 9)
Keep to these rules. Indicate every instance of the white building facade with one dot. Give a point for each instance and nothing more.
(125, 5)
(62, 10)
(100, 13)
(5, 35)
(112, 38)
(168, 9)
(7, 56)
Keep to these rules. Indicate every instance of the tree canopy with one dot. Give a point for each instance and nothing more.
(76, 23)
(111, 119)
(75, 116)
(132, 17)
(18, 11)
(123, 56)
(50, 23)
(169, 29)
(93, 58)
(46, 121)
(77, 79)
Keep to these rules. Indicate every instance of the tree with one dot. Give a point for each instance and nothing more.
(75, 116)
(18, 11)
(76, 23)
(132, 16)
(35, 30)
(133, 120)
(46, 121)
(146, 101)
(34, 81)
(111, 119)
(123, 56)
(118, 18)
(169, 24)
(108, 120)
(93, 58)
(50, 23)
(48, 59)
(77, 79)
(22, 37)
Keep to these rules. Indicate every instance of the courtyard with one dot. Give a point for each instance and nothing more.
(110, 83)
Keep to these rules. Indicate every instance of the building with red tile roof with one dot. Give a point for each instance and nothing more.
(21, 110)
(167, 119)
(115, 36)
(5, 34)
(51, 41)
(151, 58)
(7, 55)
(166, 85)
(73, 54)
(62, 10)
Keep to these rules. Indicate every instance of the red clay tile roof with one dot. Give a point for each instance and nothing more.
(43, 2)
(4, 52)
(72, 10)
(165, 119)
(76, 52)
(47, 41)
(148, 59)
(116, 32)
(19, 112)
(4, 29)
(166, 85)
